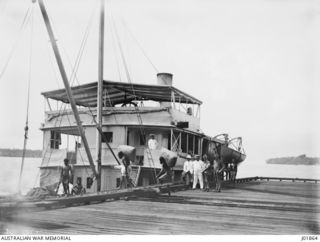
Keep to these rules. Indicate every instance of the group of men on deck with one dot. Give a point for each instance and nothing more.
(206, 172)
(195, 171)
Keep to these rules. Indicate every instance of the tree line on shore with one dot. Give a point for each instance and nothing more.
(18, 153)
(298, 160)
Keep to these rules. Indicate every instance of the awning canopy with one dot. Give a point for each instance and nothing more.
(121, 92)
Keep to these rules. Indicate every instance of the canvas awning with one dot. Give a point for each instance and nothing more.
(121, 92)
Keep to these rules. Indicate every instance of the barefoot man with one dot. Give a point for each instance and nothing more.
(218, 167)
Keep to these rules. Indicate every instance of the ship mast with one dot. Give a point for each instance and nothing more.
(100, 92)
(66, 84)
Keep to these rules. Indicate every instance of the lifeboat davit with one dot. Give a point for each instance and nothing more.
(231, 151)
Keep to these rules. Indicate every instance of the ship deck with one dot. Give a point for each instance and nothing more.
(254, 207)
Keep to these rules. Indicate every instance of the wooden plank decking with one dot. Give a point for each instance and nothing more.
(256, 207)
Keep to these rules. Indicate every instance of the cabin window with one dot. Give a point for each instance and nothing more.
(89, 182)
(205, 146)
(140, 159)
(142, 139)
(108, 136)
(191, 143)
(118, 182)
(176, 140)
(184, 147)
(55, 140)
(79, 180)
(196, 145)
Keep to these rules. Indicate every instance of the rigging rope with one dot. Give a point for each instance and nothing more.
(25, 20)
(121, 51)
(142, 131)
(26, 128)
(63, 105)
(74, 76)
(139, 45)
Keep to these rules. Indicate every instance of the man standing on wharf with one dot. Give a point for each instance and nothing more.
(198, 166)
(218, 167)
(188, 170)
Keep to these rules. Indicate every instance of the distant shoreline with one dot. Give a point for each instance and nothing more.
(299, 160)
(18, 153)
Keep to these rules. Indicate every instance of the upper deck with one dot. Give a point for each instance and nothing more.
(115, 93)
(158, 105)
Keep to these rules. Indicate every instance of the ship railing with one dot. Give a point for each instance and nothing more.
(259, 178)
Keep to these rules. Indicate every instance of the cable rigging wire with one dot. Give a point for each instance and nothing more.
(142, 131)
(26, 128)
(139, 45)
(72, 77)
(14, 46)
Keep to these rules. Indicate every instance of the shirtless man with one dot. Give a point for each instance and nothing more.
(66, 176)
(218, 167)
(125, 169)
(207, 172)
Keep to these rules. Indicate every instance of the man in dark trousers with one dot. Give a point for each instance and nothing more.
(218, 167)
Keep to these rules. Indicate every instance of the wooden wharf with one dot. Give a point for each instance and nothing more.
(255, 205)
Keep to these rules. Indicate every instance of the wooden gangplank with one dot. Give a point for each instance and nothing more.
(255, 207)
(13, 205)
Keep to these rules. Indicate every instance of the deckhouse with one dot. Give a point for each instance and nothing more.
(131, 113)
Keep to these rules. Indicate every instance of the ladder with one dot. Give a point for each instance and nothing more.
(135, 174)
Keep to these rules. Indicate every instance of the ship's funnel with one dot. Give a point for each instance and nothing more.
(164, 79)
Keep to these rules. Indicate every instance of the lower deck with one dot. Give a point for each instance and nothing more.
(254, 207)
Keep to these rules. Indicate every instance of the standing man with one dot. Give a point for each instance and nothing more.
(66, 176)
(188, 171)
(234, 170)
(218, 167)
(228, 172)
(198, 166)
(152, 142)
(125, 170)
(207, 172)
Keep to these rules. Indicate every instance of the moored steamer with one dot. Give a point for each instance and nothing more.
(131, 113)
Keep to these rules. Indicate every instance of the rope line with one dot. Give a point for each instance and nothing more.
(26, 128)
(140, 46)
(142, 131)
(14, 46)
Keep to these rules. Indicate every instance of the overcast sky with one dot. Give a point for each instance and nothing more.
(253, 63)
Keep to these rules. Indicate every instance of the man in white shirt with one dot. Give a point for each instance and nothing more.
(188, 170)
(198, 167)
(152, 142)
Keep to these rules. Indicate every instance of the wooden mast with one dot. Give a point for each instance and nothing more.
(100, 92)
(66, 84)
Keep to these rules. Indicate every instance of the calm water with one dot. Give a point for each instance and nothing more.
(10, 169)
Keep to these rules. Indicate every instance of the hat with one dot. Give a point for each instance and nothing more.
(188, 156)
